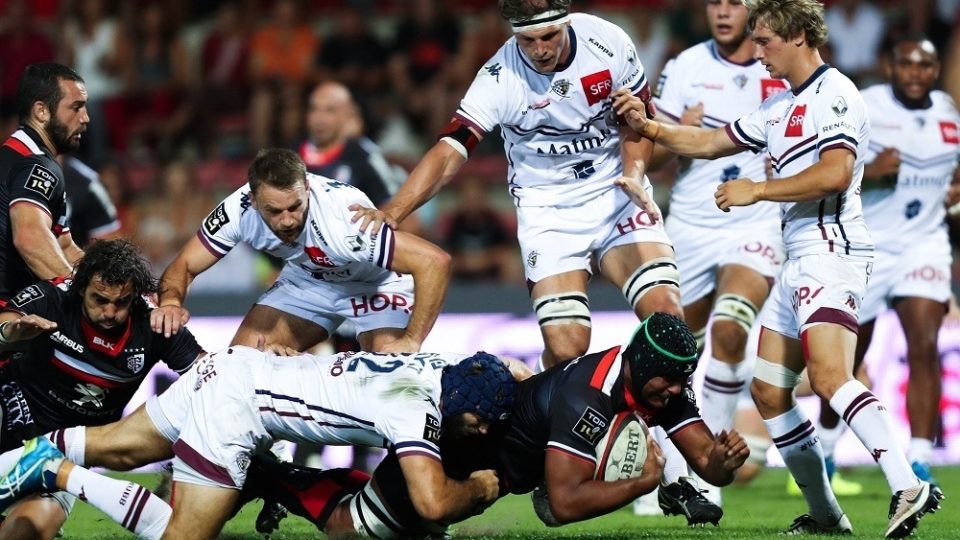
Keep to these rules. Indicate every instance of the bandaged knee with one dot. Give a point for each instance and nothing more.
(658, 272)
(776, 374)
(562, 308)
(736, 308)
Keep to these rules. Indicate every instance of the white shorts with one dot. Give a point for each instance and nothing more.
(920, 271)
(701, 251)
(210, 415)
(821, 288)
(369, 306)
(554, 240)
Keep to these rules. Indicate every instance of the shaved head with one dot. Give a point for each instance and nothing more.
(332, 115)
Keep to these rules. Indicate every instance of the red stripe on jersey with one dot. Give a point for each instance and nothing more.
(571, 454)
(18, 147)
(87, 377)
(603, 368)
(109, 345)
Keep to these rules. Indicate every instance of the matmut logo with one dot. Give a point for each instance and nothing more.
(318, 257)
(597, 86)
(795, 124)
(949, 132)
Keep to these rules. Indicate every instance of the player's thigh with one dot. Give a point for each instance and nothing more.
(130, 442)
(278, 327)
(829, 349)
(37, 517)
(373, 340)
(697, 313)
(743, 281)
(566, 326)
(782, 350)
(647, 274)
(921, 319)
(199, 512)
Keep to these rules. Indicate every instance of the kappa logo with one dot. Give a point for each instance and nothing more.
(597, 86)
(216, 220)
(795, 124)
(493, 70)
(948, 130)
(590, 426)
(877, 452)
(42, 181)
(318, 257)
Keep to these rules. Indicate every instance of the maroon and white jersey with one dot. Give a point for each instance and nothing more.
(727, 91)
(330, 248)
(560, 133)
(928, 142)
(826, 112)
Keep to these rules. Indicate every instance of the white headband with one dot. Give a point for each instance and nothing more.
(541, 20)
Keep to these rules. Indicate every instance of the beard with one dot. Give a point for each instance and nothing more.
(60, 135)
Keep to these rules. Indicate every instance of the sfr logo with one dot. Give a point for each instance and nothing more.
(795, 124)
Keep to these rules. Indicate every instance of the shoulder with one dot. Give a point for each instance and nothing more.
(74, 167)
(591, 25)
(695, 55)
(942, 101)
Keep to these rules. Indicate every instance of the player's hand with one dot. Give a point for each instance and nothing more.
(403, 344)
(730, 450)
(692, 116)
(739, 192)
(371, 216)
(168, 320)
(634, 189)
(653, 466)
(488, 484)
(632, 109)
(27, 327)
(887, 163)
(274, 348)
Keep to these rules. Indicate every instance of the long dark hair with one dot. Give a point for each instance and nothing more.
(116, 262)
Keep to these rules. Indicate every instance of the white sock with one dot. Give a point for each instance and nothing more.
(676, 465)
(722, 387)
(72, 442)
(829, 437)
(869, 419)
(797, 440)
(921, 450)
(131, 505)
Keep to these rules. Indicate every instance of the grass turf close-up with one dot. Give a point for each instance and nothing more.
(760, 510)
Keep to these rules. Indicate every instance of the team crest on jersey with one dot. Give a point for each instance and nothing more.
(135, 363)
(561, 87)
(730, 173)
(318, 257)
(42, 181)
(584, 169)
(243, 461)
(590, 426)
(795, 123)
(597, 86)
(839, 106)
(532, 259)
(216, 220)
(27, 295)
(431, 429)
(949, 132)
(740, 80)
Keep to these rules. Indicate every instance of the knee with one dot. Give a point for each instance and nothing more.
(568, 347)
(770, 400)
(727, 340)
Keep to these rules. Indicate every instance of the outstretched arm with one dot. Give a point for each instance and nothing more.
(715, 459)
(193, 259)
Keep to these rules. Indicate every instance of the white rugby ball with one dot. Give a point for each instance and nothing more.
(622, 451)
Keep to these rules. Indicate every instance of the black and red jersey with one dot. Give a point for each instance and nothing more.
(28, 175)
(569, 408)
(78, 375)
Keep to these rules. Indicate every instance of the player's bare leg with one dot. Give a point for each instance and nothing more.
(199, 512)
(37, 517)
(650, 290)
(373, 340)
(697, 315)
(127, 443)
(277, 327)
(560, 305)
(921, 319)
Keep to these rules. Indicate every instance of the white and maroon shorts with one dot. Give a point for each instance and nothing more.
(920, 271)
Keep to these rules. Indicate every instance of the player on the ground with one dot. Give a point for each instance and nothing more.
(34, 234)
(816, 135)
(573, 173)
(727, 260)
(911, 163)
(235, 403)
(559, 417)
(85, 345)
(390, 284)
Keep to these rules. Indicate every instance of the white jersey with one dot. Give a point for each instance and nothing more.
(795, 128)
(352, 398)
(728, 91)
(928, 142)
(560, 134)
(330, 248)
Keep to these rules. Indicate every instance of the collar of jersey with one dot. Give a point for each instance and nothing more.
(560, 67)
(32, 133)
(810, 80)
(712, 45)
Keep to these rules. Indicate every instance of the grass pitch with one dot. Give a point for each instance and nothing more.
(760, 510)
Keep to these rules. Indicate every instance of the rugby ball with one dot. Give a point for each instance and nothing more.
(622, 451)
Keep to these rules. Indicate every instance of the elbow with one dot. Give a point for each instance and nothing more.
(564, 512)
(839, 184)
(430, 508)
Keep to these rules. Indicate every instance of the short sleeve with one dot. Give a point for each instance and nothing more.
(38, 184)
(482, 106)
(679, 413)
(180, 350)
(220, 230)
(37, 299)
(838, 118)
(749, 131)
(667, 94)
(578, 426)
(412, 427)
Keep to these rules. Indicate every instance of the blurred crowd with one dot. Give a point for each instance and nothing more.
(183, 93)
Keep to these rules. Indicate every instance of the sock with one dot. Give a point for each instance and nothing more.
(758, 448)
(131, 505)
(676, 465)
(797, 440)
(829, 438)
(722, 387)
(921, 450)
(869, 419)
(72, 442)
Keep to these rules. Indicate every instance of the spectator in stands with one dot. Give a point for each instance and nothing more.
(21, 44)
(477, 238)
(281, 58)
(174, 199)
(856, 34)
